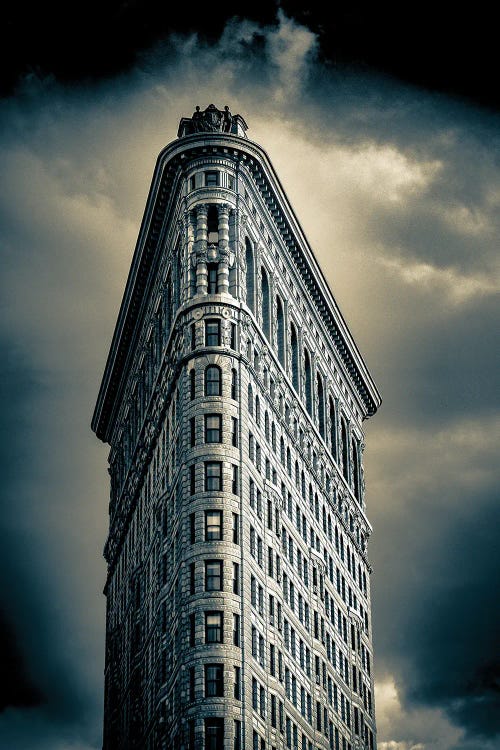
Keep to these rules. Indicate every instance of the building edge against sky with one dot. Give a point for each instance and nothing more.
(238, 591)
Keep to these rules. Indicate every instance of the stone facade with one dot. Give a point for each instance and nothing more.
(238, 598)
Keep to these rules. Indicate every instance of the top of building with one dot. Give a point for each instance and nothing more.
(212, 120)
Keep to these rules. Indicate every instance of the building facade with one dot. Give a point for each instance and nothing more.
(233, 400)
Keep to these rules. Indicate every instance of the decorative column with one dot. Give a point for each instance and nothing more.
(201, 249)
(223, 270)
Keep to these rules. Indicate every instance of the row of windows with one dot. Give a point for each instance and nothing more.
(298, 605)
(214, 731)
(300, 365)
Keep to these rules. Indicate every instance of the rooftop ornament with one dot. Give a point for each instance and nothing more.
(212, 120)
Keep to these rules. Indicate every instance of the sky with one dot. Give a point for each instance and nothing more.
(396, 183)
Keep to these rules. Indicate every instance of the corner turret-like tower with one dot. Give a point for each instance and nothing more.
(233, 401)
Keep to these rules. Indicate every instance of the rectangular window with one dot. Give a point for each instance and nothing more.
(192, 384)
(236, 578)
(236, 528)
(234, 481)
(214, 733)
(213, 627)
(192, 528)
(213, 475)
(234, 384)
(213, 428)
(236, 630)
(211, 179)
(234, 432)
(213, 525)
(213, 575)
(214, 680)
(237, 735)
(233, 336)
(212, 269)
(212, 332)
(192, 431)
(192, 629)
(192, 578)
(237, 683)
(192, 479)
(191, 684)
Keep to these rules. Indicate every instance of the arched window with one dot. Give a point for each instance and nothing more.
(192, 383)
(266, 304)
(308, 382)
(295, 358)
(250, 399)
(333, 428)
(321, 406)
(234, 384)
(213, 381)
(280, 331)
(250, 277)
(345, 449)
(356, 470)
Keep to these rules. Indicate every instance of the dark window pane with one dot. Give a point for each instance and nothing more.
(213, 627)
(213, 428)
(214, 680)
(213, 475)
(213, 575)
(212, 381)
(211, 179)
(212, 333)
(213, 287)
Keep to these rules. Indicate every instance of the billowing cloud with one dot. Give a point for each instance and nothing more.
(398, 193)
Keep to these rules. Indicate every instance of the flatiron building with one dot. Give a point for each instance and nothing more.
(233, 401)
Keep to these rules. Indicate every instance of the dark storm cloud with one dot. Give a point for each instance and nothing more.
(446, 372)
(438, 582)
(16, 688)
(431, 50)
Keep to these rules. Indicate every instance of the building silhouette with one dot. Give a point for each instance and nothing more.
(238, 597)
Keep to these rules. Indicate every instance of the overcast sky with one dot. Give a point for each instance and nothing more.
(398, 191)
